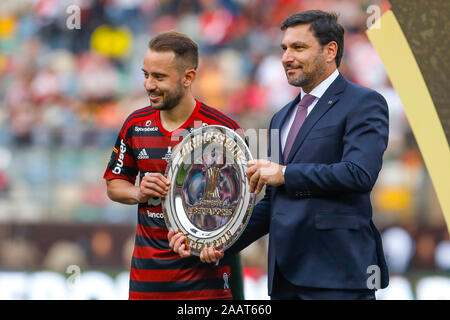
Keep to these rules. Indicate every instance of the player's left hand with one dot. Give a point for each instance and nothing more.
(262, 172)
(210, 255)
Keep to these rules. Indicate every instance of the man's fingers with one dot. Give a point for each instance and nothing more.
(257, 162)
(260, 185)
(250, 171)
(252, 163)
(254, 181)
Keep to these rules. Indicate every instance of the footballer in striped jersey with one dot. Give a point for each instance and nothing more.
(142, 149)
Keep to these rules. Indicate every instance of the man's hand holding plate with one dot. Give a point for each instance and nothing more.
(262, 172)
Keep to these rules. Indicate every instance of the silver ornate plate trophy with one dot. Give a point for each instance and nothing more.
(209, 197)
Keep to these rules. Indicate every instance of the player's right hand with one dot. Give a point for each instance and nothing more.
(177, 241)
(153, 184)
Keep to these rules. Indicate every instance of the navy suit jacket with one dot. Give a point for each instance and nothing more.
(319, 222)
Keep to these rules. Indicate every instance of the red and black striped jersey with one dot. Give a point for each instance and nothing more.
(142, 146)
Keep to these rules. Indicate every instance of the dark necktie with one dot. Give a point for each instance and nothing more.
(302, 111)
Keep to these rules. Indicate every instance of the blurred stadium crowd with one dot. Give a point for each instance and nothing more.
(64, 94)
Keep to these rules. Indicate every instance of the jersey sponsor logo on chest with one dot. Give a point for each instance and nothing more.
(145, 129)
(155, 215)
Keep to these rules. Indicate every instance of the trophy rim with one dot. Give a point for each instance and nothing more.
(241, 215)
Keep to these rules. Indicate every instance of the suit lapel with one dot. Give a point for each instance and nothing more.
(329, 98)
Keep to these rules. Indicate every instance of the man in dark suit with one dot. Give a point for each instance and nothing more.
(317, 210)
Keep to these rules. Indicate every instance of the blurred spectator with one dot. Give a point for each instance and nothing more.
(398, 248)
(442, 255)
(424, 258)
(63, 254)
(18, 253)
(101, 246)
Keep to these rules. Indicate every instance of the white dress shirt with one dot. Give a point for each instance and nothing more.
(318, 92)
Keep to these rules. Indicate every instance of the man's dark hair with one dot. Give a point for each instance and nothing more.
(324, 26)
(185, 49)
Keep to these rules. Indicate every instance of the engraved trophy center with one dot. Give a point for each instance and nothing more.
(209, 199)
(216, 202)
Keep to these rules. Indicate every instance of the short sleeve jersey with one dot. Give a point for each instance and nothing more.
(142, 146)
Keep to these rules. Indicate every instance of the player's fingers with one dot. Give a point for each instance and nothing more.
(171, 240)
(156, 181)
(153, 190)
(218, 254)
(212, 255)
(170, 234)
(185, 251)
(161, 178)
(207, 256)
(204, 255)
(151, 193)
(174, 239)
(178, 243)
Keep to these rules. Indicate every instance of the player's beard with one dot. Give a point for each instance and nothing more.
(170, 99)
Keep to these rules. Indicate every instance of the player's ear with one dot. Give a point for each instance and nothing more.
(189, 77)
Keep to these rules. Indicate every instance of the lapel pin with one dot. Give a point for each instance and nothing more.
(330, 102)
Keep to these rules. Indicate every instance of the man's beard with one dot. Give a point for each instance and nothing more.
(306, 79)
(303, 80)
(171, 99)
